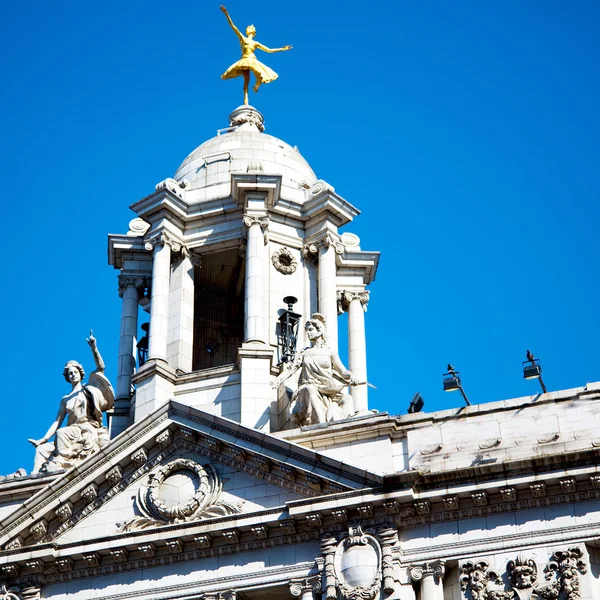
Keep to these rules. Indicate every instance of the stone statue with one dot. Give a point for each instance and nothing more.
(319, 397)
(249, 63)
(83, 408)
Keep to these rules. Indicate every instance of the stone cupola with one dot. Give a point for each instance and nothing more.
(211, 254)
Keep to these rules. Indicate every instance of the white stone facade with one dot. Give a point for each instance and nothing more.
(206, 490)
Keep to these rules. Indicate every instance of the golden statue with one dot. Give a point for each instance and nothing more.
(249, 63)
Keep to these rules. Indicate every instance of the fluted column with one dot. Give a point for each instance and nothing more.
(430, 575)
(356, 305)
(161, 246)
(129, 291)
(327, 290)
(255, 323)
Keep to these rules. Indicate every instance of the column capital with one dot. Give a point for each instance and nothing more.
(436, 569)
(162, 238)
(345, 297)
(325, 240)
(263, 222)
(130, 279)
(301, 586)
(250, 220)
(194, 256)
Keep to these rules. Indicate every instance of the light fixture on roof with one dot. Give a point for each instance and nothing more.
(452, 383)
(532, 369)
(288, 329)
(416, 404)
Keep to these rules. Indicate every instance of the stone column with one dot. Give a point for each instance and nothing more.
(327, 289)
(305, 588)
(161, 246)
(430, 576)
(254, 322)
(356, 305)
(128, 290)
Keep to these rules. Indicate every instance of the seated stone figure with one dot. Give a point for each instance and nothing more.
(319, 397)
(83, 408)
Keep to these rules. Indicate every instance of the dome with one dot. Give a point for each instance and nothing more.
(245, 149)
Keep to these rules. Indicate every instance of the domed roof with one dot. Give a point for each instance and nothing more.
(246, 149)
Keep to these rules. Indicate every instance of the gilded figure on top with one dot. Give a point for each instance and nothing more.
(249, 63)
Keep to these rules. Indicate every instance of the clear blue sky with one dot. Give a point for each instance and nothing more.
(466, 132)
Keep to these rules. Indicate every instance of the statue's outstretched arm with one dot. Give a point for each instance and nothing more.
(237, 31)
(338, 365)
(287, 373)
(97, 358)
(265, 49)
(60, 417)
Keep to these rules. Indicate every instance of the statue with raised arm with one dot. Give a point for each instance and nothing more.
(84, 433)
(249, 63)
(319, 396)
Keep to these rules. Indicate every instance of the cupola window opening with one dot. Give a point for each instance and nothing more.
(218, 309)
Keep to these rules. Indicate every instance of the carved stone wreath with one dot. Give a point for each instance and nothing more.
(205, 502)
(284, 261)
(178, 511)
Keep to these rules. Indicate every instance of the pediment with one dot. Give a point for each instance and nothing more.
(254, 471)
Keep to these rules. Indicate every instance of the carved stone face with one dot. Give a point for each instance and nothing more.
(312, 331)
(73, 374)
(523, 577)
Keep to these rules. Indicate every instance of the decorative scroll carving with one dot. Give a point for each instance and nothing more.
(344, 298)
(263, 222)
(138, 227)
(204, 502)
(284, 261)
(162, 238)
(490, 443)
(305, 587)
(172, 185)
(548, 437)
(475, 577)
(436, 569)
(562, 574)
(430, 449)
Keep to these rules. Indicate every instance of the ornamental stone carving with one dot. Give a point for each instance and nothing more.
(305, 588)
(522, 574)
(562, 575)
(357, 565)
(430, 449)
(344, 298)
(135, 280)
(284, 261)
(435, 568)
(180, 491)
(162, 238)
(475, 578)
(19, 592)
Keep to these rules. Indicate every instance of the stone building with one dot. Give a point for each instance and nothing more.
(229, 472)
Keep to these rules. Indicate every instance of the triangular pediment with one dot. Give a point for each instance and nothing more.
(248, 475)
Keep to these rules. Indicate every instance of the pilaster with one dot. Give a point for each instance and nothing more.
(429, 576)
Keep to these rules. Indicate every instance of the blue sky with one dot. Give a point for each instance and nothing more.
(466, 132)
